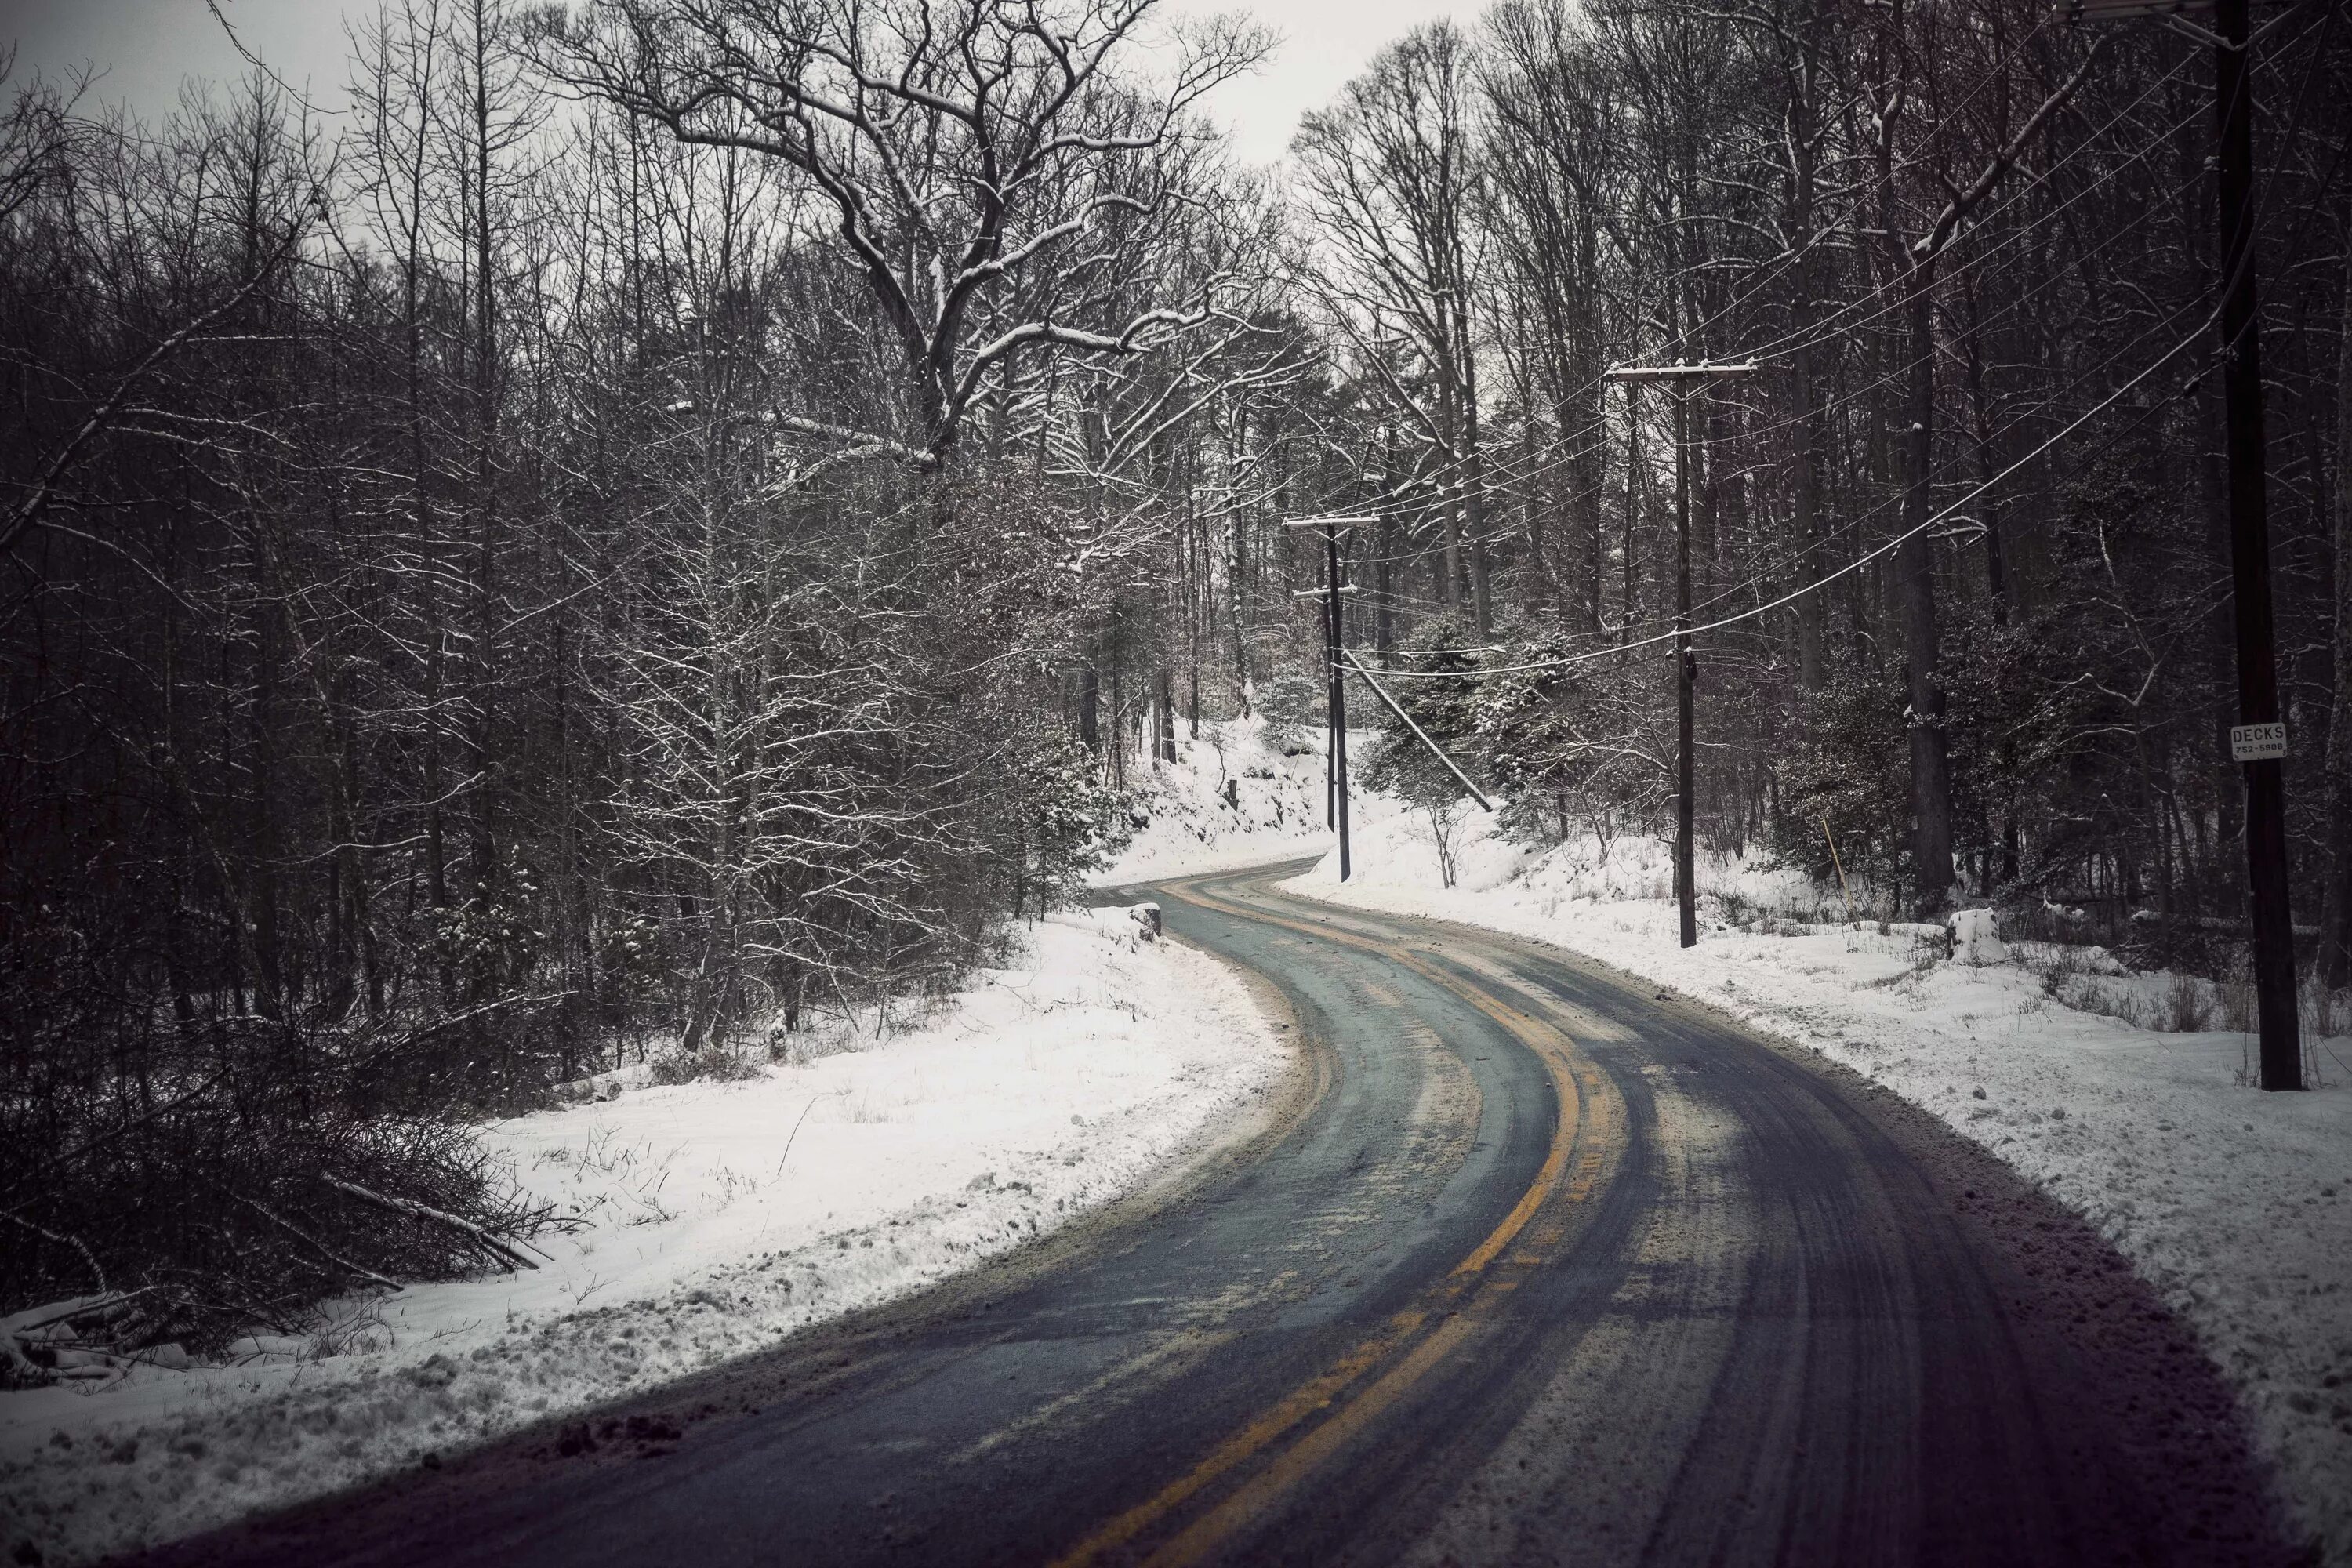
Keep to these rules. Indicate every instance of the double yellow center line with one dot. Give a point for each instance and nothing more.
(1356, 1389)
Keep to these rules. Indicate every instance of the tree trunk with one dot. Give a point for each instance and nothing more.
(1987, 464)
(482, 719)
(1382, 628)
(1812, 428)
(1625, 609)
(1117, 711)
(1915, 571)
(2336, 927)
(264, 747)
(1234, 578)
(1686, 680)
(1474, 488)
(1589, 438)
(1452, 594)
(1813, 610)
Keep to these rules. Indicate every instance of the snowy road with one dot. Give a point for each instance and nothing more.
(1535, 1266)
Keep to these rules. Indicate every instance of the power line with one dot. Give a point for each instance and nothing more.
(1860, 521)
(1852, 566)
(1835, 326)
(1757, 577)
(1838, 325)
(1855, 395)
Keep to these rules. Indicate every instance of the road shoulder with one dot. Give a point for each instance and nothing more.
(1182, 1071)
(2080, 1312)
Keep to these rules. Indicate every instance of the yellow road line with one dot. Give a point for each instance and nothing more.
(1315, 1395)
(1202, 1536)
(1291, 1466)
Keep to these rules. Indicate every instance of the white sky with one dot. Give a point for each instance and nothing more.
(149, 47)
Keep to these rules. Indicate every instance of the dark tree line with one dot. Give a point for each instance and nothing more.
(1972, 249)
(542, 574)
(683, 515)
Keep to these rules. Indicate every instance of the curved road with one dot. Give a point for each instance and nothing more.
(1535, 1265)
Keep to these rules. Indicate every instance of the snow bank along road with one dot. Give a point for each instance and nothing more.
(1534, 1266)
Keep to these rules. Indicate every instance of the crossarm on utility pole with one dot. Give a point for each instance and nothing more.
(1702, 372)
(1435, 748)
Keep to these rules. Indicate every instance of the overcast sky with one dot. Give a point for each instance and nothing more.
(147, 47)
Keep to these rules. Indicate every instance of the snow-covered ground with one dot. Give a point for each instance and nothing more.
(1189, 823)
(2236, 1205)
(720, 1217)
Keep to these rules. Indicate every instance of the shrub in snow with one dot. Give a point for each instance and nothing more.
(246, 1196)
(2187, 1005)
(1291, 702)
(1070, 822)
(1566, 751)
(715, 1064)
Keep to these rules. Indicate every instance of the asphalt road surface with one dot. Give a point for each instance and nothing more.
(1533, 1263)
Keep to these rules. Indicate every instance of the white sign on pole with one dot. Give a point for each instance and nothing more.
(2257, 743)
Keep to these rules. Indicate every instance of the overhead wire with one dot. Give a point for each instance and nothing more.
(1855, 395)
(1835, 326)
(1856, 565)
(2261, 200)
(1788, 558)
(1756, 579)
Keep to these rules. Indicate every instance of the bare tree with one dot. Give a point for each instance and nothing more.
(1913, 235)
(941, 141)
(1391, 178)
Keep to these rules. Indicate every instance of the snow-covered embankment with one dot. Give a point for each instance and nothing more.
(720, 1216)
(1247, 793)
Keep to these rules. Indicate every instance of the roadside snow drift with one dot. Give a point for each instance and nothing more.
(720, 1216)
(2236, 1205)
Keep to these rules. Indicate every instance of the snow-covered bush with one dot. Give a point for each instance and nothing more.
(1065, 822)
(712, 1064)
(1292, 699)
(244, 1189)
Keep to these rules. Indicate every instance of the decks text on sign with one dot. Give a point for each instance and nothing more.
(2257, 743)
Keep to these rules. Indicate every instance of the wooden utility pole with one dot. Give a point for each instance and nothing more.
(1339, 702)
(1335, 706)
(1681, 378)
(2258, 741)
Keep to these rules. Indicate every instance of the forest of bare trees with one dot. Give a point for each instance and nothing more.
(672, 516)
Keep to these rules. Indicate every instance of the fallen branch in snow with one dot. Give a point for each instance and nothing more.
(94, 1307)
(17, 1342)
(315, 1245)
(75, 1242)
(19, 1370)
(426, 1211)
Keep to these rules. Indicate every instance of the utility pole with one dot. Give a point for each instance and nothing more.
(1335, 751)
(1681, 378)
(1339, 702)
(2258, 741)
